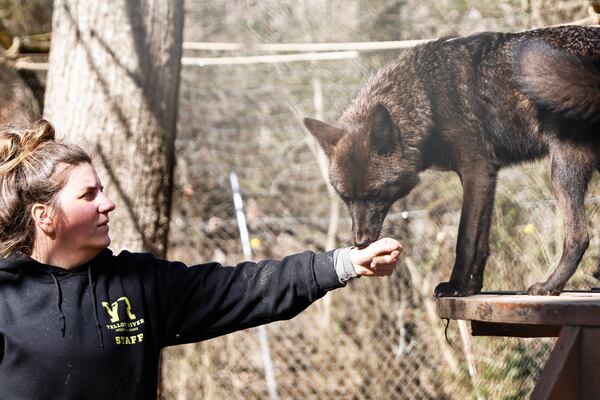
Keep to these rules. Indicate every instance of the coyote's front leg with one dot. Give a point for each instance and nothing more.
(472, 247)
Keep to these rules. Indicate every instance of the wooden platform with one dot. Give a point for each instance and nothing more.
(572, 368)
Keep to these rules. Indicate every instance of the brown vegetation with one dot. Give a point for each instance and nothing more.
(377, 339)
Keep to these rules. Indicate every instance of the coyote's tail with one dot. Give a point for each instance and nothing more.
(559, 80)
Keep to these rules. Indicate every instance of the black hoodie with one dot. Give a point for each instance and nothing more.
(95, 332)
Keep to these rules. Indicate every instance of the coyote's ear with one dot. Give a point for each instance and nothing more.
(382, 132)
(327, 135)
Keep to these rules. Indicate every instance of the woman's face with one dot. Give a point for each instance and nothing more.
(82, 219)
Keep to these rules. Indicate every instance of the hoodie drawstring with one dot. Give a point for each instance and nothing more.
(59, 304)
(98, 326)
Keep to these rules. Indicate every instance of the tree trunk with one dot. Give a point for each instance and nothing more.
(112, 87)
(18, 105)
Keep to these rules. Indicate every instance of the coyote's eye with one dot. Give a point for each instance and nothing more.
(375, 193)
(344, 198)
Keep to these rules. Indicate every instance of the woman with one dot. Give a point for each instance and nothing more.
(77, 321)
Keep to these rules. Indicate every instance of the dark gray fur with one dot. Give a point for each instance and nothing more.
(473, 105)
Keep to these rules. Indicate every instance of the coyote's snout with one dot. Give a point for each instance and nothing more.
(473, 105)
(367, 218)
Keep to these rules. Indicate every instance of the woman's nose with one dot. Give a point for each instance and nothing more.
(106, 205)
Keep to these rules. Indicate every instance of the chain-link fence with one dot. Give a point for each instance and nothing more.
(377, 338)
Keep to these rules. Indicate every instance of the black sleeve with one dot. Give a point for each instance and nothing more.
(208, 300)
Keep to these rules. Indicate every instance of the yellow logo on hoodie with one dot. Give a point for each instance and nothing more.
(116, 325)
(113, 309)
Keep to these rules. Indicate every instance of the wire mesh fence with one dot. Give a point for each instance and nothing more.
(377, 338)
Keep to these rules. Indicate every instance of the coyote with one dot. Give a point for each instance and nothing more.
(473, 105)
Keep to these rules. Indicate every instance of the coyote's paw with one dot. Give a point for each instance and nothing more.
(449, 289)
(542, 289)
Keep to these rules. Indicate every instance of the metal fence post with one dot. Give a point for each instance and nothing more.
(263, 336)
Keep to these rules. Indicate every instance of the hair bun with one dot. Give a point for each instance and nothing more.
(42, 131)
(15, 146)
(10, 146)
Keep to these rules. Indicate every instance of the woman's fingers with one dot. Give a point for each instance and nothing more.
(377, 259)
(385, 246)
(385, 259)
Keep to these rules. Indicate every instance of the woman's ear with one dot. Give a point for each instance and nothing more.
(42, 217)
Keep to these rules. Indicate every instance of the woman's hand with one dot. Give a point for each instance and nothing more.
(377, 259)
